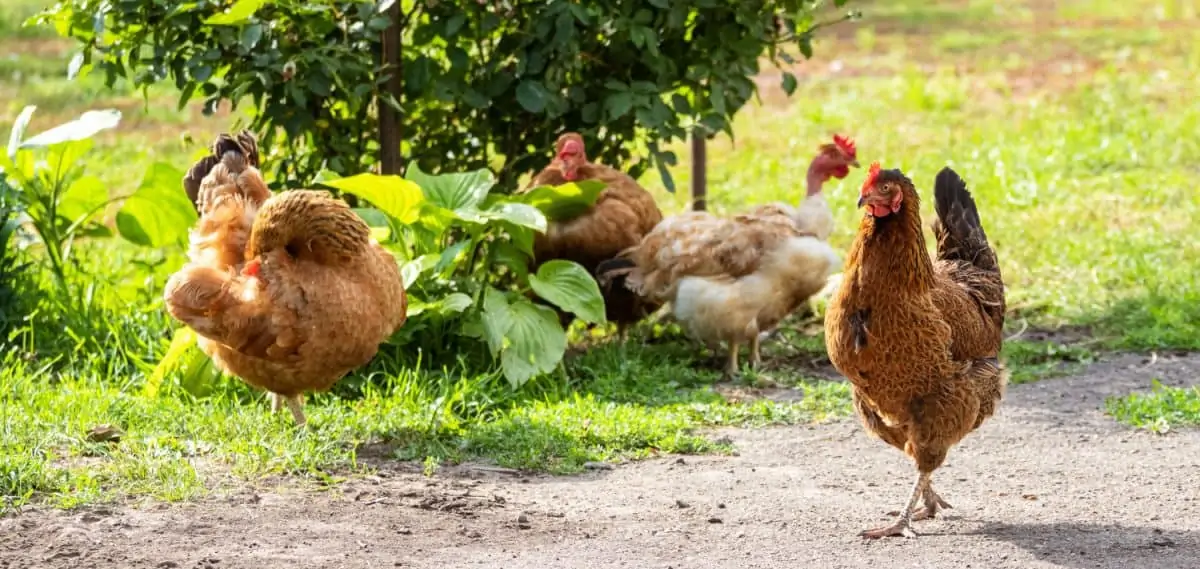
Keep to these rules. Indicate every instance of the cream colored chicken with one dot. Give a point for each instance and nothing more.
(730, 279)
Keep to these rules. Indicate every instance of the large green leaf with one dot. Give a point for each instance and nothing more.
(159, 213)
(460, 193)
(570, 287)
(520, 214)
(18, 130)
(536, 342)
(395, 196)
(84, 198)
(496, 318)
(238, 13)
(566, 201)
(86, 126)
(511, 256)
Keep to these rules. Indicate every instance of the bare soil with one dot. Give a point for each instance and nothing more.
(1049, 482)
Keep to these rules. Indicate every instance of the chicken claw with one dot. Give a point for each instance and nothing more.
(902, 528)
(933, 505)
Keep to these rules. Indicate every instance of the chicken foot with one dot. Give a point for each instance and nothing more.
(933, 505)
(731, 364)
(903, 526)
(755, 356)
(294, 404)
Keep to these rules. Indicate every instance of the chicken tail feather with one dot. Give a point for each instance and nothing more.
(959, 231)
(244, 148)
(963, 243)
(619, 272)
(308, 225)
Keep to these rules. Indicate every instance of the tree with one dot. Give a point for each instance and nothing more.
(485, 84)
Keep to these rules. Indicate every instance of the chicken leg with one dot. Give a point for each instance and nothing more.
(903, 526)
(731, 365)
(755, 356)
(294, 404)
(933, 505)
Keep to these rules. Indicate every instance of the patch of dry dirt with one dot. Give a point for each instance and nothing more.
(1049, 482)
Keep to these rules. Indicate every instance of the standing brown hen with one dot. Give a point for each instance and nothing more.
(623, 214)
(919, 338)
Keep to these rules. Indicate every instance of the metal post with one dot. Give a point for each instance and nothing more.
(389, 119)
(699, 171)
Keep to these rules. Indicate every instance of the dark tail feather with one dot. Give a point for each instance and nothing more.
(244, 144)
(959, 231)
(613, 272)
(963, 243)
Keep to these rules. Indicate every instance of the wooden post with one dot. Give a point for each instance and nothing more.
(699, 171)
(390, 126)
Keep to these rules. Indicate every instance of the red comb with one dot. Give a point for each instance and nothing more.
(251, 269)
(872, 174)
(846, 144)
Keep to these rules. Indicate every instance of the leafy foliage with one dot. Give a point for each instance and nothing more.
(485, 84)
(465, 256)
(43, 174)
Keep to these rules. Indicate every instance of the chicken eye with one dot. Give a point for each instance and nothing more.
(886, 189)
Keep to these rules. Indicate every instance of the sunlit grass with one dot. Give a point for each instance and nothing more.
(1160, 410)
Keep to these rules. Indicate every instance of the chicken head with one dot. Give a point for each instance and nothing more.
(883, 191)
(569, 150)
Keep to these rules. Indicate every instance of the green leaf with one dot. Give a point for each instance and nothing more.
(536, 342)
(509, 255)
(75, 66)
(412, 270)
(789, 83)
(159, 213)
(251, 35)
(183, 340)
(84, 127)
(718, 99)
(450, 256)
(83, 199)
(520, 214)
(456, 302)
(18, 130)
(238, 13)
(399, 198)
(496, 318)
(460, 193)
(532, 96)
(566, 201)
(570, 287)
(381, 227)
(618, 104)
(806, 47)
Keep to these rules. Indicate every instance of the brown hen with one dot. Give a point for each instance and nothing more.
(623, 214)
(287, 292)
(919, 338)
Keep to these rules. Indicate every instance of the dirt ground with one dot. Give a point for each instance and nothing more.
(1049, 482)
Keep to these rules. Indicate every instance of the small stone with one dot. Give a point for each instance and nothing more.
(597, 466)
(105, 434)
(681, 504)
(715, 520)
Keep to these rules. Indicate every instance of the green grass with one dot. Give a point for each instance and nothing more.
(1160, 410)
(1081, 157)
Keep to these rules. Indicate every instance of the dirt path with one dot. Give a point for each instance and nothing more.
(1050, 482)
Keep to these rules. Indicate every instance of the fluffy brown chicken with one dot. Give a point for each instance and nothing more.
(730, 279)
(287, 292)
(623, 214)
(919, 338)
